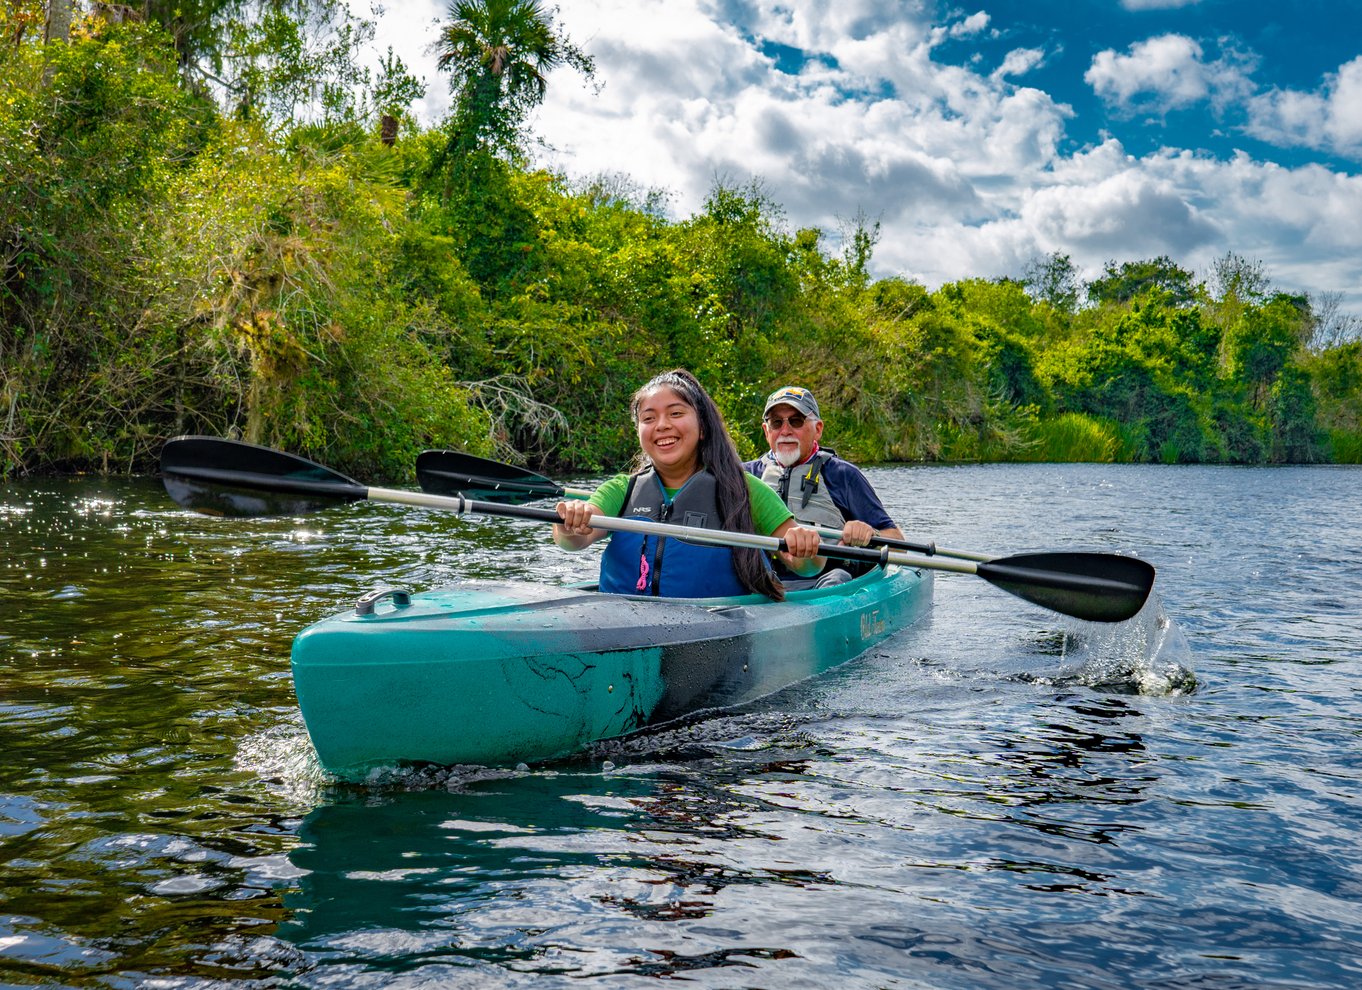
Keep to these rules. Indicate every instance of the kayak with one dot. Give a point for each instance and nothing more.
(495, 673)
(498, 673)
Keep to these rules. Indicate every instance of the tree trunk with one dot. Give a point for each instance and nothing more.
(58, 21)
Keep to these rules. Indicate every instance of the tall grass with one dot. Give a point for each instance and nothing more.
(1345, 446)
(1072, 437)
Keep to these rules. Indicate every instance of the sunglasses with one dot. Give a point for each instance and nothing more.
(778, 422)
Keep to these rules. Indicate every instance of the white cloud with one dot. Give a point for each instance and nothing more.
(1137, 5)
(1106, 204)
(1167, 68)
(973, 24)
(1129, 213)
(884, 124)
(1168, 72)
(965, 170)
(1018, 62)
(1329, 119)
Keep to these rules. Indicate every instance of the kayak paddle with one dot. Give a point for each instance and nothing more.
(231, 478)
(452, 472)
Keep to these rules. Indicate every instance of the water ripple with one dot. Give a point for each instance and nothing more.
(999, 798)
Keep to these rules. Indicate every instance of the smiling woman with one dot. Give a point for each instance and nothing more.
(688, 472)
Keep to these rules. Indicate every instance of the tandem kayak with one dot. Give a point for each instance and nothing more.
(497, 673)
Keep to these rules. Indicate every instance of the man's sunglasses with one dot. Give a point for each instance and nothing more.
(778, 422)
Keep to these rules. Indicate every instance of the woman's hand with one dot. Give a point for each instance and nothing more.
(575, 531)
(801, 553)
(802, 542)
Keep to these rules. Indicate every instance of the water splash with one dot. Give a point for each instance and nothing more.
(1146, 655)
(282, 756)
(701, 735)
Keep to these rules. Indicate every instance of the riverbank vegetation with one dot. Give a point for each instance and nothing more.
(232, 229)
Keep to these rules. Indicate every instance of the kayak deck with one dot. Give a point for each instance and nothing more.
(502, 672)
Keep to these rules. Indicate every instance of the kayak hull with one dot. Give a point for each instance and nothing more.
(497, 673)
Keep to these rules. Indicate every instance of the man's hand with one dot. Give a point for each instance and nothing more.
(857, 534)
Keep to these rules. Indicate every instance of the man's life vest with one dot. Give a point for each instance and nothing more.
(806, 495)
(803, 491)
(645, 564)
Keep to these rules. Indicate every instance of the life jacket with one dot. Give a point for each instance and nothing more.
(646, 564)
(809, 500)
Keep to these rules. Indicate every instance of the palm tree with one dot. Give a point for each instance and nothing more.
(498, 53)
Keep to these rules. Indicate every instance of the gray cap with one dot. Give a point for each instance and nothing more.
(792, 395)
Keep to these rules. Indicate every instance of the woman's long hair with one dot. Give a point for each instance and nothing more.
(720, 457)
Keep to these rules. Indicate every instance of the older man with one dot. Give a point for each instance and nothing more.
(819, 487)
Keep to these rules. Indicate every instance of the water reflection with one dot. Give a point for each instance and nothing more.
(404, 860)
(998, 800)
(419, 861)
(505, 869)
(501, 871)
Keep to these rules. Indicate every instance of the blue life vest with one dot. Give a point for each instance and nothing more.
(645, 564)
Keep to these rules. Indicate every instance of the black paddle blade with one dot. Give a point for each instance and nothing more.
(230, 478)
(452, 472)
(1099, 587)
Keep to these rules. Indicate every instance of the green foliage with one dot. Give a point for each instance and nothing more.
(1139, 367)
(1241, 435)
(270, 269)
(1054, 280)
(275, 60)
(299, 276)
(294, 60)
(498, 54)
(88, 132)
(197, 27)
(1075, 437)
(395, 89)
(1291, 408)
(1004, 320)
(1131, 280)
(1261, 342)
(173, 272)
(1336, 374)
(1344, 446)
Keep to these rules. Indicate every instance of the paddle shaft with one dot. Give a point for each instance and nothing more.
(230, 478)
(691, 534)
(930, 549)
(993, 571)
(446, 480)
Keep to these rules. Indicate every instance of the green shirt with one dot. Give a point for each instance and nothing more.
(768, 511)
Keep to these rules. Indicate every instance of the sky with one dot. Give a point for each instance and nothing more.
(979, 136)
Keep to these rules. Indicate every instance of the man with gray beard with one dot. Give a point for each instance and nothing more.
(819, 487)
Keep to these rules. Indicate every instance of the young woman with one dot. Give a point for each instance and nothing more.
(689, 474)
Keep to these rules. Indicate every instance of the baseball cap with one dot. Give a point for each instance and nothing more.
(792, 395)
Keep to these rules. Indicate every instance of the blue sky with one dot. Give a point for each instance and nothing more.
(1169, 73)
(981, 135)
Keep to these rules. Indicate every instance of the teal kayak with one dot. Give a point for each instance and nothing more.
(497, 673)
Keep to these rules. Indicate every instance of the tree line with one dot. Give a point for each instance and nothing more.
(213, 221)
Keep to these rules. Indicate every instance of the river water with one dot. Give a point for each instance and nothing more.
(997, 798)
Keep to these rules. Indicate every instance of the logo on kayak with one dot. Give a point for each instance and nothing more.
(871, 624)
